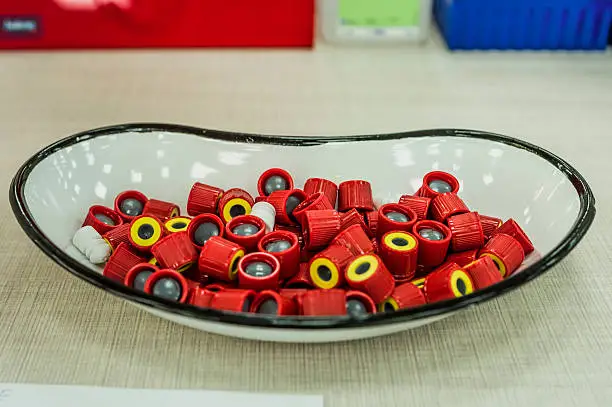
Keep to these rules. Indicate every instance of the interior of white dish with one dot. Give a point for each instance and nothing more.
(497, 179)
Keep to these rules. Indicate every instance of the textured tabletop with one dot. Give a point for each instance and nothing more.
(547, 344)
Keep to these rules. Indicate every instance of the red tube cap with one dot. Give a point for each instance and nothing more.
(327, 267)
(203, 227)
(245, 230)
(314, 185)
(367, 273)
(162, 210)
(175, 251)
(130, 204)
(167, 284)
(102, 219)
(399, 251)
(274, 179)
(285, 247)
(146, 230)
(272, 303)
(419, 204)
(200, 297)
(285, 202)
(466, 232)
(118, 235)
(483, 272)
(447, 282)
(258, 271)
(324, 303)
(319, 228)
(359, 304)
(121, 262)
(314, 202)
(434, 240)
(219, 259)
(138, 275)
(436, 183)
(178, 224)
(394, 217)
(512, 228)
(301, 279)
(463, 258)
(446, 205)
(355, 239)
(505, 251)
(203, 199)
(355, 194)
(235, 202)
(404, 296)
(233, 300)
(489, 225)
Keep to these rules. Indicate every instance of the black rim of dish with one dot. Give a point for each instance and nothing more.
(579, 228)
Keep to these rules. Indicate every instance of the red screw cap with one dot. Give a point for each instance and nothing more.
(353, 217)
(203, 227)
(355, 239)
(130, 204)
(314, 185)
(175, 251)
(285, 202)
(371, 219)
(399, 251)
(245, 230)
(200, 297)
(327, 267)
(394, 217)
(355, 194)
(463, 258)
(511, 228)
(295, 295)
(359, 304)
(145, 231)
(367, 273)
(314, 202)
(447, 282)
(483, 272)
(404, 296)
(162, 210)
(419, 204)
(505, 251)
(285, 247)
(446, 205)
(489, 225)
(272, 303)
(203, 199)
(219, 259)
(138, 275)
(102, 219)
(319, 228)
(258, 271)
(167, 284)
(301, 279)
(118, 235)
(466, 232)
(235, 202)
(434, 240)
(436, 183)
(274, 179)
(233, 300)
(324, 302)
(120, 263)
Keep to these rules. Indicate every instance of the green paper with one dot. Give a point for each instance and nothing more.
(380, 13)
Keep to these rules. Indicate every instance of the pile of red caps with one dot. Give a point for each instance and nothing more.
(331, 251)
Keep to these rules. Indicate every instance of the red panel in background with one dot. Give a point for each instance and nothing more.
(38, 24)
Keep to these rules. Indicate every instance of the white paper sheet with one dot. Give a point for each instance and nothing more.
(26, 395)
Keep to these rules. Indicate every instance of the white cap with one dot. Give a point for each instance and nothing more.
(92, 245)
(265, 212)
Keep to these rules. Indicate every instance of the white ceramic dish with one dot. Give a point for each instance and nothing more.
(500, 176)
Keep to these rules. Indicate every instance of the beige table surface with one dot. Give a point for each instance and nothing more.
(548, 344)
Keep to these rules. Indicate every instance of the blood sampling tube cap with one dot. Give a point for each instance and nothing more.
(203, 227)
(162, 210)
(285, 247)
(324, 303)
(314, 185)
(102, 219)
(511, 228)
(167, 284)
(219, 259)
(301, 279)
(245, 230)
(399, 251)
(483, 272)
(284, 203)
(259, 271)
(233, 300)
(274, 179)
(355, 194)
(266, 212)
(368, 273)
(405, 295)
(315, 202)
(138, 275)
(175, 251)
(270, 302)
(120, 262)
(419, 204)
(130, 204)
(203, 199)
(434, 240)
(394, 217)
(466, 231)
(359, 304)
(235, 202)
(146, 230)
(327, 267)
(447, 282)
(446, 205)
(178, 224)
(438, 182)
(505, 251)
(319, 228)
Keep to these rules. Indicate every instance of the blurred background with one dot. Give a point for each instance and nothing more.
(539, 70)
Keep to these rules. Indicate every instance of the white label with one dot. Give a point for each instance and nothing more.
(20, 395)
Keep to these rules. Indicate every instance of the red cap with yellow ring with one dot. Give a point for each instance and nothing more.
(315, 202)
(175, 251)
(511, 228)
(327, 267)
(161, 209)
(406, 295)
(121, 262)
(146, 230)
(368, 273)
(203, 199)
(235, 202)
(434, 240)
(466, 231)
(505, 251)
(319, 228)
(399, 251)
(118, 235)
(359, 304)
(138, 275)
(219, 259)
(447, 282)
(178, 224)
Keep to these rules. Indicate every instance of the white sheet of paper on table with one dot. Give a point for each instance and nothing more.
(27, 395)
